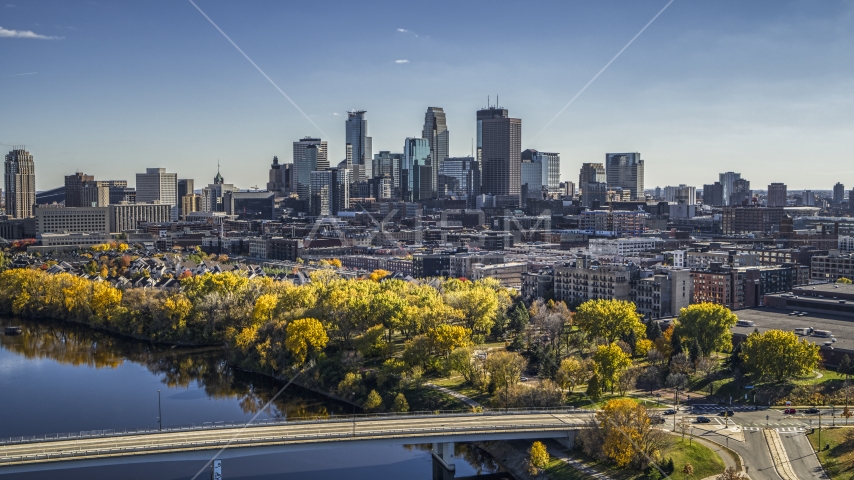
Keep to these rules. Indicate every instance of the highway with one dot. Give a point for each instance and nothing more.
(401, 429)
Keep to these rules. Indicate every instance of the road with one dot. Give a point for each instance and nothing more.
(754, 448)
(411, 429)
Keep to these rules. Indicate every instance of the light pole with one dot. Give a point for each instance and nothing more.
(819, 429)
(159, 413)
(676, 408)
(833, 414)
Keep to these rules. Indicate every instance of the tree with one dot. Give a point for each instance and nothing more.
(304, 337)
(519, 318)
(611, 361)
(609, 319)
(628, 435)
(627, 380)
(378, 275)
(479, 306)
(653, 330)
(708, 324)
(539, 458)
(677, 380)
(505, 368)
(846, 412)
(779, 355)
(707, 366)
(400, 404)
(676, 347)
(845, 367)
(843, 280)
(374, 402)
(649, 379)
(572, 372)
(694, 352)
(445, 338)
(688, 470)
(594, 389)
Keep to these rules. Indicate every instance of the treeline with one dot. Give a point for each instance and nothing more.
(362, 335)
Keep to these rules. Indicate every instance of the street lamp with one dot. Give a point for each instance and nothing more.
(676, 408)
(159, 413)
(833, 414)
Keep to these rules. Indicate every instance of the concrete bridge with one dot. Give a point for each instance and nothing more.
(202, 442)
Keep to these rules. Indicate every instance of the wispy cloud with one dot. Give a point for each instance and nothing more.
(10, 5)
(335, 114)
(5, 33)
(401, 61)
(402, 30)
(20, 74)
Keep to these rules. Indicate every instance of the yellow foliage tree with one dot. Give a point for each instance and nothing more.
(539, 456)
(264, 307)
(304, 336)
(378, 275)
(611, 361)
(779, 355)
(445, 338)
(609, 319)
(708, 324)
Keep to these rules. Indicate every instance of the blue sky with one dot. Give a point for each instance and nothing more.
(764, 88)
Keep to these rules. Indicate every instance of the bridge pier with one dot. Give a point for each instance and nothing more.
(444, 453)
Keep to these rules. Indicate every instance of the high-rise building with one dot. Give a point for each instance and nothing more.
(838, 193)
(777, 195)
(625, 171)
(591, 173)
(500, 146)
(357, 136)
(20, 183)
(280, 178)
(389, 164)
(82, 190)
(417, 170)
(155, 185)
(593, 193)
(741, 193)
(461, 178)
(726, 181)
(682, 193)
(311, 161)
(214, 195)
(549, 170)
(436, 133)
(808, 198)
(713, 194)
(186, 186)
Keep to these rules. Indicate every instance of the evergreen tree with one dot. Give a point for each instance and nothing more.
(676, 346)
(631, 339)
(845, 366)
(653, 330)
(594, 389)
(519, 318)
(734, 360)
(694, 351)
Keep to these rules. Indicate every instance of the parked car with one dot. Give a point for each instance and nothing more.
(524, 379)
(811, 410)
(703, 420)
(669, 411)
(790, 410)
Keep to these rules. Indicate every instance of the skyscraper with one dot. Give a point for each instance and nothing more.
(390, 164)
(357, 136)
(726, 180)
(436, 133)
(838, 193)
(82, 190)
(713, 194)
(417, 170)
(20, 183)
(591, 173)
(549, 170)
(461, 178)
(741, 193)
(186, 186)
(155, 185)
(625, 171)
(777, 195)
(500, 147)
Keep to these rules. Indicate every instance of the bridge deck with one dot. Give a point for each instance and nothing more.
(406, 429)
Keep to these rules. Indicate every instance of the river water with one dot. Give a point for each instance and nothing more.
(58, 377)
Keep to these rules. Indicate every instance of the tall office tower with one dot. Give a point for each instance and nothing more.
(186, 186)
(120, 192)
(500, 145)
(625, 171)
(320, 200)
(310, 162)
(20, 183)
(838, 193)
(593, 193)
(214, 195)
(280, 178)
(683, 193)
(357, 136)
(777, 195)
(417, 170)
(389, 164)
(591, 173)
(550, 168)
(726, 180)
(341, 200)
(713, 194)
(741, 194)
(82, 190)
(436, 132)
(532, 179)
(461, 178)
(567, 189)
(155, 185)
(809, 198)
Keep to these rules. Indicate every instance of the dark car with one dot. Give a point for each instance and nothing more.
(656, 419)
(669, 411)
(703, 420)
(727, 413)
(811, 410)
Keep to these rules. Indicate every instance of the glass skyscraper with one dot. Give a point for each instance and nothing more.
(357, 137)
(625, 171)
(418, 171)
(436, 133)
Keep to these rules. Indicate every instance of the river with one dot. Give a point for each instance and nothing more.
(60, 377)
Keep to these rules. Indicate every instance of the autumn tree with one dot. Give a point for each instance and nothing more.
(446, 338)
(539, 457)
(843, 280)
(731, 473)
(305, 336)
(505, 369)
(572, 372)
(400, 404)
(374, 402)
(707, 324)
(611, 361)
(779, 355)
(609, 319)
(624, 434)
(378, 275)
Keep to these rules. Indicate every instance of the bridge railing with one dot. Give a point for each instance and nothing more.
(283, 420)
(203, 444)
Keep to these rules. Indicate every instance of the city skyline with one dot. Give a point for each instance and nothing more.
(728, 94)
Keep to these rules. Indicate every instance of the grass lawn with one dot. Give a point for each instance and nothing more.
(705, 462)
(458, 384)
(838, 460)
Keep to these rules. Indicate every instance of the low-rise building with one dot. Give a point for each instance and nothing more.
(663, 292)
(584, 280)
(509, 274)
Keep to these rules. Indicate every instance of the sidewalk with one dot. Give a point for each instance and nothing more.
(556, 451)
(459, 396)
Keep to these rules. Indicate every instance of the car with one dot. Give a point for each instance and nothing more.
(811, 410)
(727, 413)
(669, 411)
(656, 419)
(703, 420)
(524, 379)
(790, 410)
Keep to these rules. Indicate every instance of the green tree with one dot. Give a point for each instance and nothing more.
(653, 330)
(400, 404)
(844, 367)
(572, 372)
(519, 318)
(609, 319)
(611, 361)
(779, 355)
(374, 402)
(709, 325)
(594, 389)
